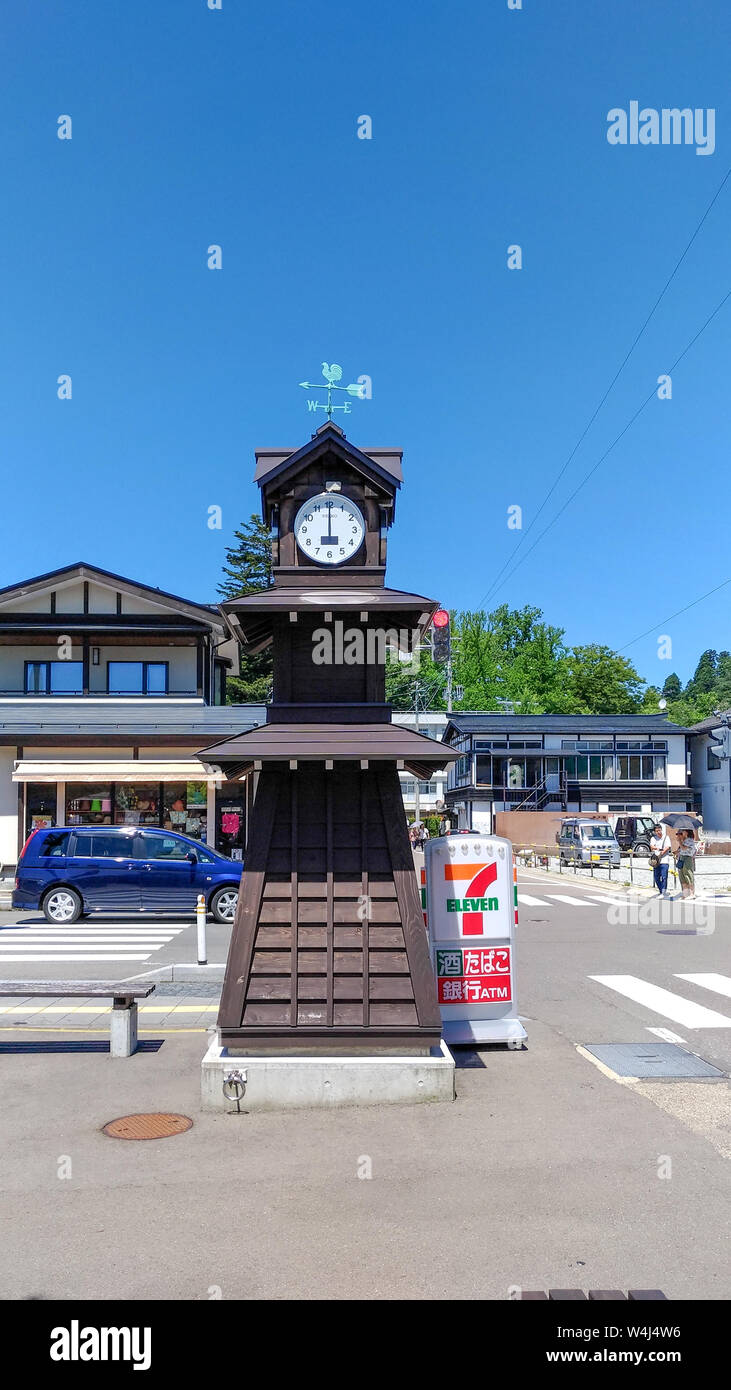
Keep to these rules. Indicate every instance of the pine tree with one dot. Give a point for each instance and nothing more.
(248, 566)
(248, 570)
(672, 688)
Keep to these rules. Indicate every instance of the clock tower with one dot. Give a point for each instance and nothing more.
(328, 951)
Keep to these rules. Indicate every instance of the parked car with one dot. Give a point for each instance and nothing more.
(72, 872)
(633, 833)
(587, 842)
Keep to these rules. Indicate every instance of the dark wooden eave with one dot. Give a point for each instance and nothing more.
(374, 743)
(252, 617)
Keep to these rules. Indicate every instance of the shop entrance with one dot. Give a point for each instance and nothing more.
(231, 820)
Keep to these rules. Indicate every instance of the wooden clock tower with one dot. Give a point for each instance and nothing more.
(329, 951)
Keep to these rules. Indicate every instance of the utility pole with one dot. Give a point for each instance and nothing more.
(417, 802)
(449, 684)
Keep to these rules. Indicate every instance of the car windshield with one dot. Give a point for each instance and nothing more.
(598, 832)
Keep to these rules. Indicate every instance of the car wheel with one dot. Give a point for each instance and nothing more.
(61, 906)
(641, 851)
(223, 904)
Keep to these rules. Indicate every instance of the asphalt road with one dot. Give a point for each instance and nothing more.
(546, 1172)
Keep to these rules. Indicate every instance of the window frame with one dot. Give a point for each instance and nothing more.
(48, 663)
(114, 661)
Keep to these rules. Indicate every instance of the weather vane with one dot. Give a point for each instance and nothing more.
(332, 376)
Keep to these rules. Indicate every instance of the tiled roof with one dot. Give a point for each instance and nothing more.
(476, 722)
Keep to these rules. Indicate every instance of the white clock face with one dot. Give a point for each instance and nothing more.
(329, 528)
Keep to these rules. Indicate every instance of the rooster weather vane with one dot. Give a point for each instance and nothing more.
(333, 375)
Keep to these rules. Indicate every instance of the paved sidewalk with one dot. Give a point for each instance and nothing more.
(189, 1007)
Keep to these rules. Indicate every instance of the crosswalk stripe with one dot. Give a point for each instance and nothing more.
(564, 898)
(663, 1001)
(18, 960)
(667, 1036)
(531, 902)
(720, 984)
(102, 947)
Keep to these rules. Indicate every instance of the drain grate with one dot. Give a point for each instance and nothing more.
(156, 1126)
(646, 1060)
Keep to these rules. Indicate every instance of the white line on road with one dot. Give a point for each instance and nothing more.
(667, 1036)
(532, 902)
(720, 984)
(17, 960)
(663, 1001)
(564, 898)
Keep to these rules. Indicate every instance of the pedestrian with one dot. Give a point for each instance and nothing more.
(660, 850)
(424, 834)
(685, 860)
(415, 835)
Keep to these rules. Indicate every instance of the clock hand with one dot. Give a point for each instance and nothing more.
(329, 539)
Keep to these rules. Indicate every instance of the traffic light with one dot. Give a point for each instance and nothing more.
(441, 639)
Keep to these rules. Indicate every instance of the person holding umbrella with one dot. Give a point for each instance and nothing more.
(685, 860)
(684, 826)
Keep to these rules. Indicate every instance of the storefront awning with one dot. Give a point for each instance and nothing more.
(121, 770)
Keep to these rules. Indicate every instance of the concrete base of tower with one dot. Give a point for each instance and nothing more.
(243, 1084)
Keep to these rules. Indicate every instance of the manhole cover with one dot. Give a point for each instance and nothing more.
(661, 1060)
(158, 1126)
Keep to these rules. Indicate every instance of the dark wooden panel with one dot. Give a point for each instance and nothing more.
(268, 1014)
(314, 937)
(387, 962)
(233, 993)
(313, 1013)
(393, 1013)
(272, 937)
(347, 1013)
(311, 987)
(390, 987)
(267, 987)
(567, 1295)
(412, 919)
(271, 963)
(387, 936)
(606, 1296)
(276, 911)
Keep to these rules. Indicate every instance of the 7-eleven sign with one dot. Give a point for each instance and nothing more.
(468, 892)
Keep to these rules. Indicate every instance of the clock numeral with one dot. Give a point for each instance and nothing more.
(351, 542)
(342, 550)
(308, 542)
(355, 530)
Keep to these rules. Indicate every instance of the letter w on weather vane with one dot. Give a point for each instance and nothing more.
(333, 375)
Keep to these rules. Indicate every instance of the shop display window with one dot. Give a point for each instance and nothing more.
(185, 807)
(88, 804)
(137, 803)
(40, 806)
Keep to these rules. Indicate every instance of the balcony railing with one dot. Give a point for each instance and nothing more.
(17, 694)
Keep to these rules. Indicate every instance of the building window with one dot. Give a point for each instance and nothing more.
(137, 677)
(713, 763)
(54, 677)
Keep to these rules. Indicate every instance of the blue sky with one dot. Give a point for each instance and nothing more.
(193, 127)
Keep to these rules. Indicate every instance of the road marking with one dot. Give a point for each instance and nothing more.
(663, 1001)
(667, 1036)
(18, 960)
(531, 902)
(564, 898)
(720, 984)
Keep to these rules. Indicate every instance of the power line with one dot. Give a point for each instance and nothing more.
(615, 441)
(612, 383)
(663, 621)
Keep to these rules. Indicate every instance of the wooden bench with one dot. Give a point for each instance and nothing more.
(123, 1031)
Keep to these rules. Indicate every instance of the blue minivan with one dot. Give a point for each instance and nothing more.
(69, 872)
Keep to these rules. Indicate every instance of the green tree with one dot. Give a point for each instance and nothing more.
(248, 567)
(248, 570)
(704, 677)
(672, 689)
(597, 680)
